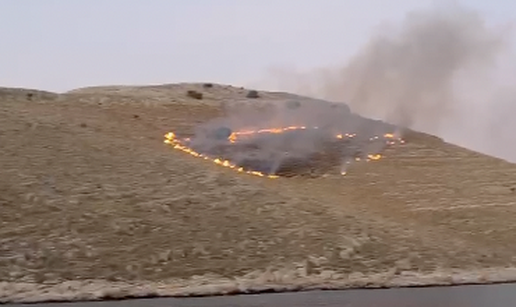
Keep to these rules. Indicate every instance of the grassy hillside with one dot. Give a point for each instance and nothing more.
(92, 204)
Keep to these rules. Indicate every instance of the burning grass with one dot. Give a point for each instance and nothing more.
(242, 151)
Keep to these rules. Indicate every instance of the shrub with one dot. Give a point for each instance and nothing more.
(293, 104)
(252, 94)
(194, 94)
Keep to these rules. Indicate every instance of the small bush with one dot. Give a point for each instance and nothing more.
(207, 85)
(293, 104)
(252, 94)
(194, 95)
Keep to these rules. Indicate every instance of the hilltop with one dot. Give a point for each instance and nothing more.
(93, 205)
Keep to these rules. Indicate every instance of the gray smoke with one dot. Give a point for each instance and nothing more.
(442, 71)
(271, 152)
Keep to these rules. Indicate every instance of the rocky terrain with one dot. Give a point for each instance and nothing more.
(94, 205)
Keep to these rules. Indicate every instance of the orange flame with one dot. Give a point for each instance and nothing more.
(389, 135)
(233, 137)
(170, 139)
(374, 157)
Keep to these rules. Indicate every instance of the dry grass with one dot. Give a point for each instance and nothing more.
(88, 192)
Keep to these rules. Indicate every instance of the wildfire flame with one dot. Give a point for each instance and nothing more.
(171, 139)
(233, 137)
(347, 135)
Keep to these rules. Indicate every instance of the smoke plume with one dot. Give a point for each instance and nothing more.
(442, 71)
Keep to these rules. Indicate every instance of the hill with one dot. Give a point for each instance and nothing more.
(94, 205)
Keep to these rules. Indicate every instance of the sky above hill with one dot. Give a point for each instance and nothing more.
(60, 45)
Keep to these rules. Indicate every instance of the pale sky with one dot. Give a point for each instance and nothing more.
(59, 45)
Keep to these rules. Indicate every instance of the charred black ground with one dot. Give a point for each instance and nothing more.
(329, 153)
(293, 140)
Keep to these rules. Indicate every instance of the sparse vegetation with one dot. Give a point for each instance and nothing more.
(253, 94)
(293, 104)
(194, 94)
(207, 85)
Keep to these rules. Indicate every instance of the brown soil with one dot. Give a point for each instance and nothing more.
(88, 191)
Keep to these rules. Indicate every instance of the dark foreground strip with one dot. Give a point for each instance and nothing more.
(499, 295)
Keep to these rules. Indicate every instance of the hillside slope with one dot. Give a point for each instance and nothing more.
(93, 204)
